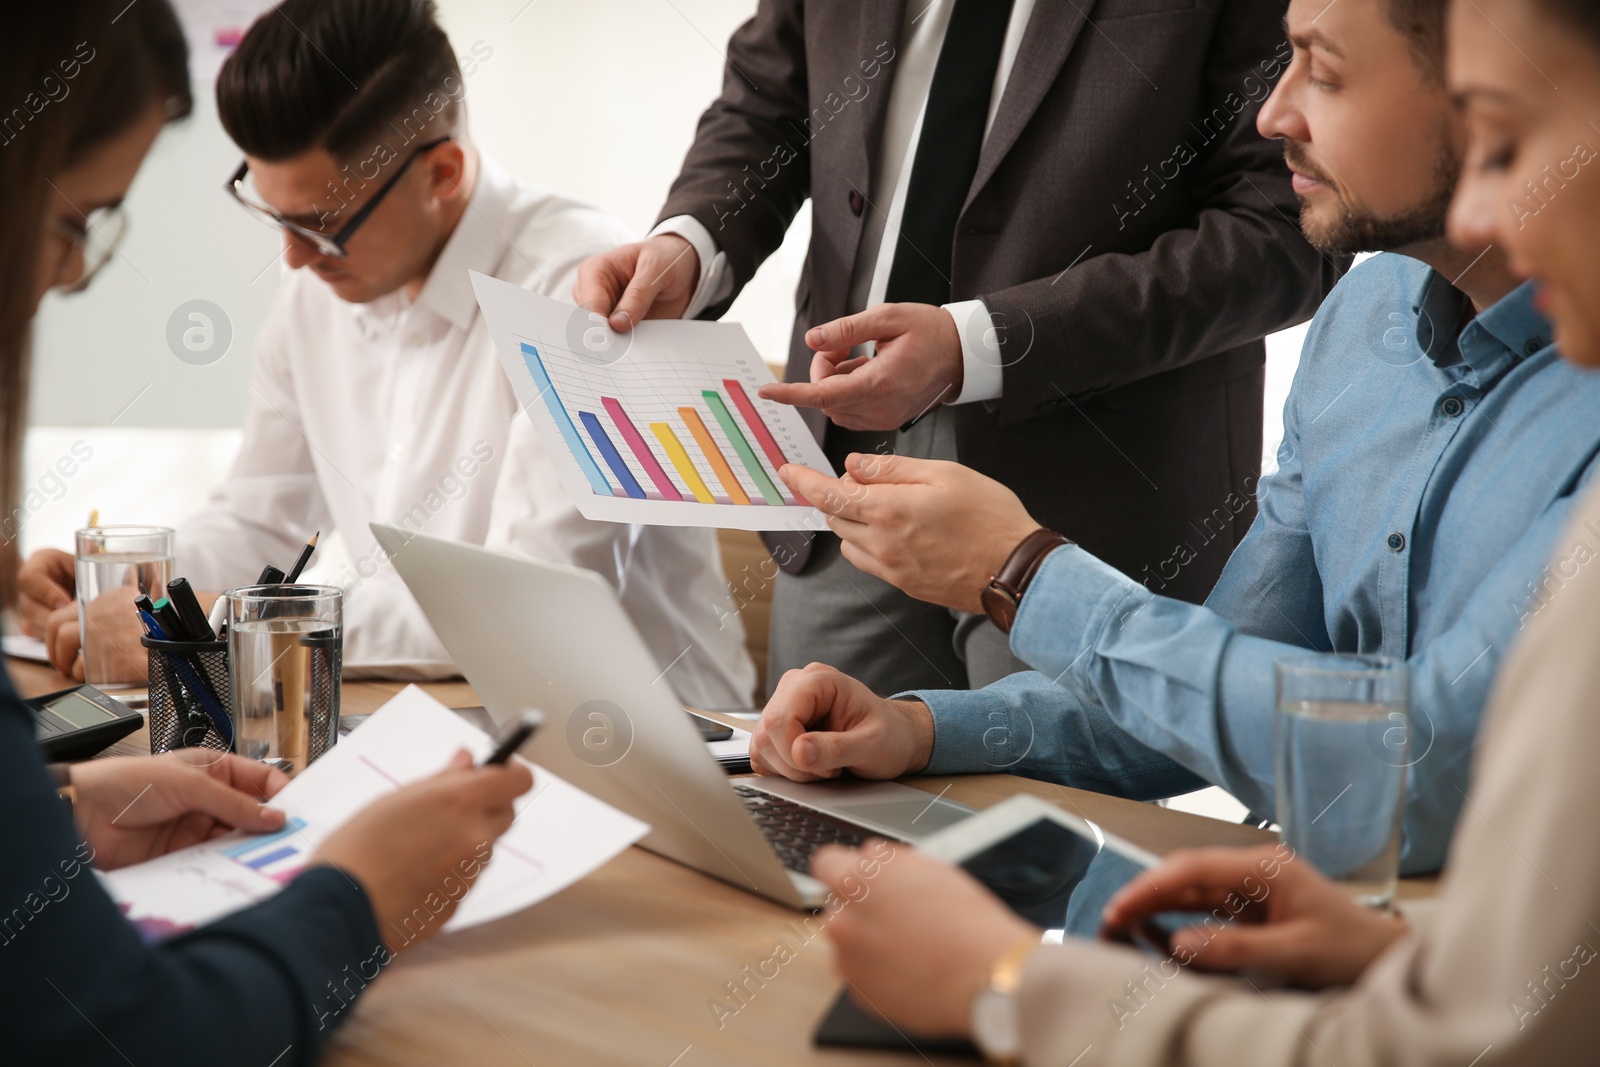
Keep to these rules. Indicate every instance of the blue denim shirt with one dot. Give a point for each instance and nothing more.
(1423, 480)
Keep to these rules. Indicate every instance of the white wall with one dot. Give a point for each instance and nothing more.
(600, 98)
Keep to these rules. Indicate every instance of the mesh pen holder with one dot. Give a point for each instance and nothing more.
(191, 704)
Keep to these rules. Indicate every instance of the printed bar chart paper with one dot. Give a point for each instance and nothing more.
(662, 425)
(561, 834)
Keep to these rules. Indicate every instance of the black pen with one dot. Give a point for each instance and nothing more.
(167, 615)
(530, 721)
(305, 557)
(188, 609)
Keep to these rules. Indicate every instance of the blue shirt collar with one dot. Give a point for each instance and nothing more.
(1505, 333)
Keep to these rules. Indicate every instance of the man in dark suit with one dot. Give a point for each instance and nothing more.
(1052, 225)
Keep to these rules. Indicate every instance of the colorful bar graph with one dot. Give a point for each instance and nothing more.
(267, 859)
(558, 411)
(613, 458)
(680, 459)
(251, 844)
(747, 455)
(641, 451)
(714, 456)
(272, 855)
(753, 418)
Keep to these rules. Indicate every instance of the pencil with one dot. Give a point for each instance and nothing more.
(305, 557)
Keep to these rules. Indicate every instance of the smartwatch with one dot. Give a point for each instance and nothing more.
(1003, 595)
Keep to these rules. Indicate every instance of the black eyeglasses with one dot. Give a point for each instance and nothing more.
(328, 244)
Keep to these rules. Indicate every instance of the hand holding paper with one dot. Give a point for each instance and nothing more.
(407, 848)
(663, 425)
(557, 835)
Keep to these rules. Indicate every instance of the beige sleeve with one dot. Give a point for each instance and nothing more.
(1501, 969)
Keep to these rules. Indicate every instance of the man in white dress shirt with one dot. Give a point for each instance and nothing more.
(377, 395)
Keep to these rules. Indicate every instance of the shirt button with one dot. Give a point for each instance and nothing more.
(1397, 541)
(415, 340)
(1452, 406)
(397, 451)
(857, 202)
(1532, 345)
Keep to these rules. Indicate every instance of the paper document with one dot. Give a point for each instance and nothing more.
(21, 646)
(734, 751)
(560, 834)
(661, 425)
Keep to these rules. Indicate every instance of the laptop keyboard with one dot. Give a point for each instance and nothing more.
(794, 830)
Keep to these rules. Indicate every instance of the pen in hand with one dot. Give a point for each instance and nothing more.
(524, 729)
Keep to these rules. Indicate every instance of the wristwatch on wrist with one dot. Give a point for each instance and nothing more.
(61, 778)
(996, 1020)
(1003, 594)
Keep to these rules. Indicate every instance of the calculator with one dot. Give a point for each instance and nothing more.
(76, 723)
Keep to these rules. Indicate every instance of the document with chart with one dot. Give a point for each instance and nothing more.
(560, 834)
(661, 425)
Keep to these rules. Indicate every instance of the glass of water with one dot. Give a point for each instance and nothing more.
(114, 565)
(285, 645)
(1342, 743)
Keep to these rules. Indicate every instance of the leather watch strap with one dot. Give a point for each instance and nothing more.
(1003, 595)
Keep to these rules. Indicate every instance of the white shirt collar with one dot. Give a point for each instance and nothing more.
(477, 243)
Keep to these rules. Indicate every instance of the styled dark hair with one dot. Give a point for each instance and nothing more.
(72, 76)
(1423, 22)
(342, 75)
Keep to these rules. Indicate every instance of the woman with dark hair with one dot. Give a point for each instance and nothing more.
(1503, 966)
(92, 83)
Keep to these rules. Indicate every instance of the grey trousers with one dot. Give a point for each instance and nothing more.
(834, 613)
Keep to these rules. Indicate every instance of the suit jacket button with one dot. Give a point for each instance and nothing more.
(857, 202)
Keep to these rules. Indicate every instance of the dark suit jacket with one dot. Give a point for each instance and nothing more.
(267, 984)
(1131, 232)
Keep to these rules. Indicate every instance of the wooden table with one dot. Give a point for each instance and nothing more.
(625, 966)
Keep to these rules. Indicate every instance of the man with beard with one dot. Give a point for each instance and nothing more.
(1433, 441)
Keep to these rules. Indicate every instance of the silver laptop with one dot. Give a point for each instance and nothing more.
(538, 635)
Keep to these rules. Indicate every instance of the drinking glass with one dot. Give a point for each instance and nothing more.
(1341, 746)
(285, 645)
(115, 564)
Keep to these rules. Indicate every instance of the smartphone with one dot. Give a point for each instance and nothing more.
(1027, 852)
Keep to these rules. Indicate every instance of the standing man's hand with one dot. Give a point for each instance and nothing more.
(651, 279)
(936, 530)
(918, 364)
(46, 583)
(821, 722)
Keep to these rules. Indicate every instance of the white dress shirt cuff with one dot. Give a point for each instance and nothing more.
(981, 377)
(716, 280)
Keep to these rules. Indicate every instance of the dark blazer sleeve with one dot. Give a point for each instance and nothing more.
(749, 169)
(265, 985)
(1240, 270)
